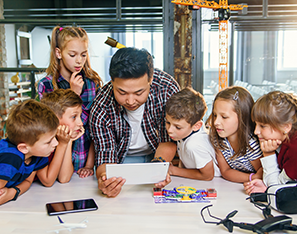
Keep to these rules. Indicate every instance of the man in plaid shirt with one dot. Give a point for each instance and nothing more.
(127, 120)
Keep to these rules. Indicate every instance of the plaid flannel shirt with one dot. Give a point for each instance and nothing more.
(112, 133)
(81, 146)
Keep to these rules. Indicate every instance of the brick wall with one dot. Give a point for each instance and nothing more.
(4, 93)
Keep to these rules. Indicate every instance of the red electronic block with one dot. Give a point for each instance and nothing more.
(211, 193)
(157, 192)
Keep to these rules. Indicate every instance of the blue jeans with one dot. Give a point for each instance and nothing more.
(139, 159)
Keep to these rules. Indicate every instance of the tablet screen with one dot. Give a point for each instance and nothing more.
(64, 207)
(139, 173)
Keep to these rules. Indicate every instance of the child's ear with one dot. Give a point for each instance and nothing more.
(23, 148)
(58, 53)
(197, 125)
(287, 128)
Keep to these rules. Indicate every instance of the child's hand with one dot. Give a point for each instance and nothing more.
(254, 186)
(63, 134)
(76, 83)
(3, 192)
(82, 131)
(85, 172)
(258, 174)
(269, 146)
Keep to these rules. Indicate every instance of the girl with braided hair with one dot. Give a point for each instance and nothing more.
(276, 124)
(70, 68)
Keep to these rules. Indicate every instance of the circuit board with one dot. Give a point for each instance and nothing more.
(183, 194)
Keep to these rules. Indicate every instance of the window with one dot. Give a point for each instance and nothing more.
(287, 51)
(151, 41)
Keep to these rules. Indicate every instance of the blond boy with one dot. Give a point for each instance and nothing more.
(67, 106)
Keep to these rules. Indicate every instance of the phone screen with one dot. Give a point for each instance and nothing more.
(58, 208)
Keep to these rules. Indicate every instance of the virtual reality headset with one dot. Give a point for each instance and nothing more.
(282, 198)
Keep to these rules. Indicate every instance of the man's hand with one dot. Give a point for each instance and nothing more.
(269, 146)
(254, 186)
(85, 172)
(76, 83)
(162, 184)
(112, 186)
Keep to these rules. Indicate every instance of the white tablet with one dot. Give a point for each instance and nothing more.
(139, 173)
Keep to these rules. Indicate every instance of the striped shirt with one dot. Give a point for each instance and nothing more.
(80, 147)
(243, 162)
(111, 132)
(12, 164)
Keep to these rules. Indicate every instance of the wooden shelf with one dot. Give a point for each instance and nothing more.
(19, 91)
(20, 83)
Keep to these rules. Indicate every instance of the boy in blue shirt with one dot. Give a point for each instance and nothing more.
(184, 113)
(31, 130)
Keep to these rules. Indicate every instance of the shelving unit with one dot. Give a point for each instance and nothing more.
(14, 89)
(20, 91)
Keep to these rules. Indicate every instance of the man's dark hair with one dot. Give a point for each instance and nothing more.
(129, 63)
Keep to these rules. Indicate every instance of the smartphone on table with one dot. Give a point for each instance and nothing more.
(64, 207)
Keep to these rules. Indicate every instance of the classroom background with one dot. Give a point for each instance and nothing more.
(184, 41)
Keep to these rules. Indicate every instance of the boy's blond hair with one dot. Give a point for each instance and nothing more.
(61, 99)
(187, 104)
(29, 120)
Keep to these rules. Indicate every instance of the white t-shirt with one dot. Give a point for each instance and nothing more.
(195, 151)
(138, 144)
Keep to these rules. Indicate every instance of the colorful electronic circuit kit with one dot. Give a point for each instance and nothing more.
(183, 194)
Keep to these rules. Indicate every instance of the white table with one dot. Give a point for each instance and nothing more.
(133, 211)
